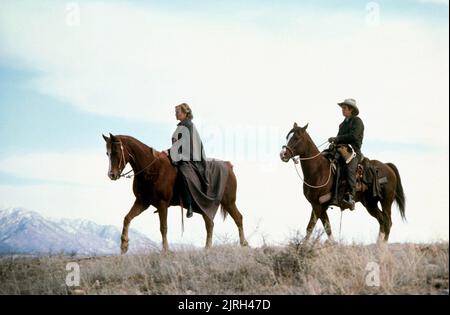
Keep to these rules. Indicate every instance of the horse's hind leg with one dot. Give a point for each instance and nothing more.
(135, 210)
(209, 224)
(374, 211)
(386, 206)
(237, 217)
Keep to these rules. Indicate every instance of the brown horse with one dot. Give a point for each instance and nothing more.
(318, 181)
(154, 183)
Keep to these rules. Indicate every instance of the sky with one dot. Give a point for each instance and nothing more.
(72, 71)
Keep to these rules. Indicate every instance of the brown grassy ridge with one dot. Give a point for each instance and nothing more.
(296, 268)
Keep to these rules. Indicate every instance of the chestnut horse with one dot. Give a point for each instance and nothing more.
(317, 173)
(154, 183)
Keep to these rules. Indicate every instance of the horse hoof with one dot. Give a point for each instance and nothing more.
(244, 243)
(124, 249)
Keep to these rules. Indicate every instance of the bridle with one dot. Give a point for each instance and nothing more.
(122, 158)
(294, 156)
(297, 159)
(122, 155)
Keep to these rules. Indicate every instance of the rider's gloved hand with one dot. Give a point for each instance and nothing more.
(332, 139)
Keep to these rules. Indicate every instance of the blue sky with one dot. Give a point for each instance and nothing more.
(426, 10)
(32, 121)
(242, 65)
(35, 122)
(47, 123)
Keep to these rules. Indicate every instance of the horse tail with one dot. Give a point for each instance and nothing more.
(399, 194)
(224, 212)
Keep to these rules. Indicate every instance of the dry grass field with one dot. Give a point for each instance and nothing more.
(296, 268)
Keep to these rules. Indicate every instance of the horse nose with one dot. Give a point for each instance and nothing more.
(283, 156)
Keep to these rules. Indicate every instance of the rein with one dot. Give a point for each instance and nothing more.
(122, 157)
(296, 159)
(309, 185)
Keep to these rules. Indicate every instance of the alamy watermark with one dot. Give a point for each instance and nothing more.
(259, 144)
(73, 277)
(373, 274)
(72, 14)
(373, 14)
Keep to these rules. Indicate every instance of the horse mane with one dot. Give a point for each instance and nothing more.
(137, 143)
(313, 145)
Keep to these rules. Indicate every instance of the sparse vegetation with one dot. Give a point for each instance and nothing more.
(297, 268)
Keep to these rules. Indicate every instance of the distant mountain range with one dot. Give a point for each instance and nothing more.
(27, 232)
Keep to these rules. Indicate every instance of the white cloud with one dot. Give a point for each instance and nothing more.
(138, 62)
(87, 168)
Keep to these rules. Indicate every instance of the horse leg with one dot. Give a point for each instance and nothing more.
(209, 224)
(237, 217)
(311, 225)
(374, 211)
(386, 206)
(135, 210)
(162, 212)
(326, 224)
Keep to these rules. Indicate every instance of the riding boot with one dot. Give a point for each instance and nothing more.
(187, 199)
(334, 199)
(189, 213)
(351, 179)
(350, 202)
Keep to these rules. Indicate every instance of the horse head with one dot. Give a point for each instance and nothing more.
(118, 156)
(295, 143)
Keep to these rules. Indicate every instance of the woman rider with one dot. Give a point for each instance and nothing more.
(187, 152)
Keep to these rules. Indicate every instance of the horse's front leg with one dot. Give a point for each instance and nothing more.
(162, 212)
(327, 226)
(311, 225)
(135, 210)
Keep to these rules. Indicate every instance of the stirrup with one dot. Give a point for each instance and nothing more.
(334, 202)
(350, 203)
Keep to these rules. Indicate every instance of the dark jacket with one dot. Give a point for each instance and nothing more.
(351, 132)
(195, 143)
(189, 161)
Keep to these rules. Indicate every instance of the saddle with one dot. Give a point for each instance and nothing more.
(366, 174)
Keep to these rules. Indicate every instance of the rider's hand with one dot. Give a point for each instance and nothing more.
(332, 139)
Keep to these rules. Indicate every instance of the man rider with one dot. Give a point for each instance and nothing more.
(351, 132)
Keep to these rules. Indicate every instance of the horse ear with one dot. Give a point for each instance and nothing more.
(111, 137)
(306, 126)
(105, 137)
(295, 125)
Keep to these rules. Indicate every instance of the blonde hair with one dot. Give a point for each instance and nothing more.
(186, 109)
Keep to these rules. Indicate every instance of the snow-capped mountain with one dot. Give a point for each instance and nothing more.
(27, 232)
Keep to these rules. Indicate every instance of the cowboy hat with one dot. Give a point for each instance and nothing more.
(352, 103)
